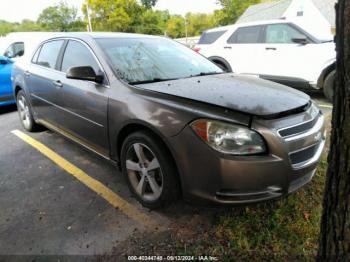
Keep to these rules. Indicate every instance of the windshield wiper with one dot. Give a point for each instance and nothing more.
(154, 80)
(207, 73)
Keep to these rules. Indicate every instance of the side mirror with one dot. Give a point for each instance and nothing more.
(86, 73)
(302, 41)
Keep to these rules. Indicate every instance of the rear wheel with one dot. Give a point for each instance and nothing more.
(149, 170)
(328, 87)
(25, 112)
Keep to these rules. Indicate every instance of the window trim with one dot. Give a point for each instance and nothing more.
(107, 84)
(62, 51)
(37, 51)
(40, 47)
(61, 57)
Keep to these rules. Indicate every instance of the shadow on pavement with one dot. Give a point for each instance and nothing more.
(7, 109)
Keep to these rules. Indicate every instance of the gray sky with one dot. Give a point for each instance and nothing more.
(17, 10)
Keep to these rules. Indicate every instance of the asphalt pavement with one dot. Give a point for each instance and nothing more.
(57, 198)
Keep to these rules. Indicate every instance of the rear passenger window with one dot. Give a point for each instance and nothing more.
(49, 53)
(208, 38)
(246, 35)
(77, 54)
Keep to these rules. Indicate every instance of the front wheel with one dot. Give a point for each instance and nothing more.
(223, 66)
(328, 87)
(25, 112)
(149, 170)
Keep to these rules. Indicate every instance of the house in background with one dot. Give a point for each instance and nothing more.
(315, 16)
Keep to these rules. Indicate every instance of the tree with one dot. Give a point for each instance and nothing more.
(114, 15)
(60, 17)
(232, 10)
(5, 27)
(153, 22)
(25, 26)
(28, 26)
(176, 26)
(197, 23)
(148, 4)
(335, 225)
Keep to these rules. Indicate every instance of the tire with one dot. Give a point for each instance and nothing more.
(152, 181)
(25, 113)
(328, 87)
(222, 66)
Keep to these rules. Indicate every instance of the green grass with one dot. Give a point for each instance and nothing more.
(287, 229)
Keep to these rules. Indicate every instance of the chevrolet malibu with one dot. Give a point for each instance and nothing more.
(174, 122)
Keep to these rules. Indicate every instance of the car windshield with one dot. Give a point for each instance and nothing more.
(147, 60)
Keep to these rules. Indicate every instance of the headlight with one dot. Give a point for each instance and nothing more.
(229, 138)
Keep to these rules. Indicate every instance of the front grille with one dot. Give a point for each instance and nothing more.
(305, 141)
(298, 129)
(303, 155)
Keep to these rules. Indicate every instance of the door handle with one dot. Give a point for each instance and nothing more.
(228, 47)
(271, 48)
(27, 73)
(57, 83)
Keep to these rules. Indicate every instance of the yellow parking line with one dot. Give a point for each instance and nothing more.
(115, 200)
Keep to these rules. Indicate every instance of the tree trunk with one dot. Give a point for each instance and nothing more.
(335, 225)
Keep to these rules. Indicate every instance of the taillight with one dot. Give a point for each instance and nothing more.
(196, 49)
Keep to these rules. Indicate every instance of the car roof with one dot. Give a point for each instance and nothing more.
(97, 35)
(234, 26)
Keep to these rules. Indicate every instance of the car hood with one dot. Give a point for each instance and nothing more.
(246, 94)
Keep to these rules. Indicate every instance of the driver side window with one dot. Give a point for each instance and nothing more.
(77, 54)
(15, 50)
(282, 34)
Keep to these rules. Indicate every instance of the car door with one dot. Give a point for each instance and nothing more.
(286, 59)
(241, 49)
(6, 93)
(39, 78)
(83, 103)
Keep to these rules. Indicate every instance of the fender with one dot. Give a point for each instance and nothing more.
(325, 72)
(116, 141)
(141, 124)
(17, 77)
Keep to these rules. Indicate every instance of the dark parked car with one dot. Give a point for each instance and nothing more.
(172, 120)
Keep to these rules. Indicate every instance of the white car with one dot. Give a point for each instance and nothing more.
(19, 46)
(277, 50)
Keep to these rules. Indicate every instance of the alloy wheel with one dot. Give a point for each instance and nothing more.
(24, 112)
(144, 172)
